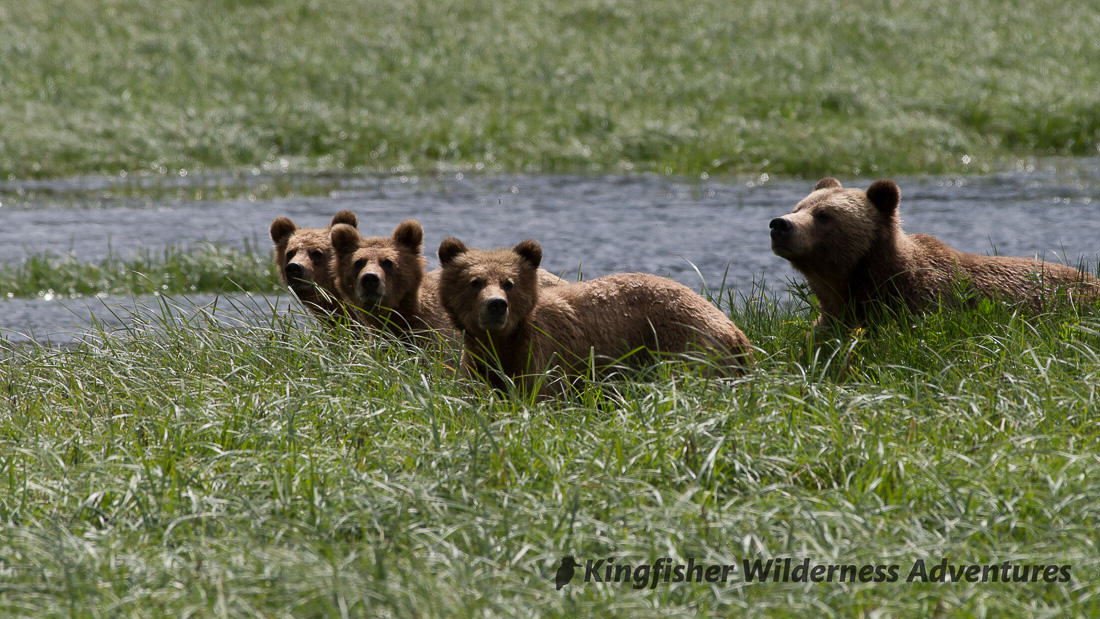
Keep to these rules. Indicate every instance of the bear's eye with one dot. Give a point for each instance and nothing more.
(822, 216)
(386, 263)
(290, 254)
(477, 283)
(316, 255)
(359, 264)
(507, 284)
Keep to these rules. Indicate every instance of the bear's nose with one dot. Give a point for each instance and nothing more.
(780, 226)
(369, 282)
(294, 270)
(496, 306)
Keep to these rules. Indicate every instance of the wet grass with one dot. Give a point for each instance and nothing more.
(172, 270)
(189, 467)
(846, 88)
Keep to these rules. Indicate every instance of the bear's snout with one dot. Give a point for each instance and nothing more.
(295, 271)
(780, 227)
(782, 236)
(494, 313)
(496, 307)
(370, 285)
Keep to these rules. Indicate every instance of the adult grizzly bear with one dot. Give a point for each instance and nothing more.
(307, 263)
(514, 327)
(850, 246)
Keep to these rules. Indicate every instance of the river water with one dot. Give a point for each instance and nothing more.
(694, 230)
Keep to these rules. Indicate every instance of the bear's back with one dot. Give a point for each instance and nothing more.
(615, 314)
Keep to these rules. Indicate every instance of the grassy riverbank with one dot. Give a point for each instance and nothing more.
(173, 270)
(845, 88)
(280, 470)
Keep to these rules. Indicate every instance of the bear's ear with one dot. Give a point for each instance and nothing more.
(282, 228)
(827, 183)
(449, 249)
(345, 217)
(410, 234)
(530, 251)
(344, 238)
(884, 194)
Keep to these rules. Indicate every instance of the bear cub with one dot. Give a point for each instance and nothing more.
(383, 279)
(850, 247)
(307, 263)
(511, 322)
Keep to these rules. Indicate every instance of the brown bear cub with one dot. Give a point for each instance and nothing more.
(383, 279)
(850, 247)
(307, 262)
(512, 323)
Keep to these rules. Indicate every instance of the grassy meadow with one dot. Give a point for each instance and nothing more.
(189, 468)
(185, 466)
(826, 87)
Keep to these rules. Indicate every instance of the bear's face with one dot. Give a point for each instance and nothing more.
(379, 272)
(489, 290)
(833, 228)
(304, 256)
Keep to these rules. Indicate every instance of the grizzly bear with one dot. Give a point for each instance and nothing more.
(307, 263)
(512, 324)
(850, 247)
(384, 280)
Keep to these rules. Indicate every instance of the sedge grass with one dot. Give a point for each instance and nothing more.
(844, 88)
(171, 270)
(190, 466)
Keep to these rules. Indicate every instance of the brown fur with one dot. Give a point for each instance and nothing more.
(535, 327)
(850, 246)
(307, 263)
(383, 279)
(410, 297)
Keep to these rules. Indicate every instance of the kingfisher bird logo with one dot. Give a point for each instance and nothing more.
(565, 571)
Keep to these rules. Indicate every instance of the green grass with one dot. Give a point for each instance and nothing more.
(186, 467)
(847, 88)
(173, 270)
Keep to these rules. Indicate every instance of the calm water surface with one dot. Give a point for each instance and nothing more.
(696, 231)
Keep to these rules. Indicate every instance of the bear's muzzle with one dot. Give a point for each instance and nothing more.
(295, 271)
(494, 313)
(781, 233)
(371, 288)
